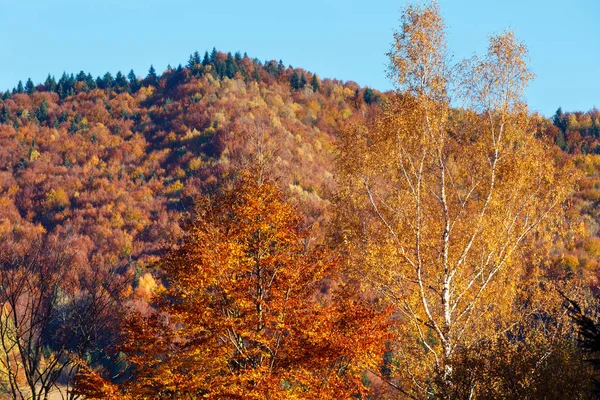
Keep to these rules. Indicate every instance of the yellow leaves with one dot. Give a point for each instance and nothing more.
(57, 199)
(175, 188)
(438, 203)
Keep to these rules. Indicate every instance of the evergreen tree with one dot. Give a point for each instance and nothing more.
(42, 111)
(302, 83)
(230, 67)
(90, 82)
(369, 96)
(194, 62)
(50, 83)
(561, 142)
(60, 90)
(214, 55)
(560, 120)
(121, 83)
(206, 60)
(108, 81)
(81, 77)
(595, 130)
(20, 88)
(152, 78)
(315, 83)
(134, 84)
(280, 67)
(295, 81)
(238, 57)
(29, 86)
(4, 115)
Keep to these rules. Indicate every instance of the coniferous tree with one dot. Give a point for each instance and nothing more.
(194, 62)
(50, 83)
(561, 142)
(230, 67)
(560, 120)
(214, 55)
(369, 96)
(316, 85)
(121, 83)
(295, 81)
(29, 86)
(152, 78)
(20, 88)
(42, 111)
(81, 77)
(107, 81)
(90, 82)
(302, 82)
(4, 115)
(134, 84)
(206, 59)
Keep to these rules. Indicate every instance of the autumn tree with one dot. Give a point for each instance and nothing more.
(53, 315)
(248, 312)
(439, 203)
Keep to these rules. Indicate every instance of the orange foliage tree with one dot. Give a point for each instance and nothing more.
(248, 312)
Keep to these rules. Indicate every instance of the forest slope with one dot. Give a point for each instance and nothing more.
(116, 163)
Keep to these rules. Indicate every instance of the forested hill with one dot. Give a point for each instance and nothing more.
(115, 162)
(97, 176)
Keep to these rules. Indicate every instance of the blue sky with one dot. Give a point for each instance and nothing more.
(339, 39)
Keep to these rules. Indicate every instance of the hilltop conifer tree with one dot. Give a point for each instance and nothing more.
(230, 67)
(134, 84)
(29, 87)
(121, 83)
(50, 83)
(152, 78)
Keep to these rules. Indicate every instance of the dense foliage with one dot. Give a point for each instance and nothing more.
(234, 228)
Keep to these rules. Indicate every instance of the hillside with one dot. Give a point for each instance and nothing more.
(116, 163)
(99, 177)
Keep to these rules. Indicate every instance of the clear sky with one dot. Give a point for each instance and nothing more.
(341, 39)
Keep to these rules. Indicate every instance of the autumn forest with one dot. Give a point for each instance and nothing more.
(232, 228)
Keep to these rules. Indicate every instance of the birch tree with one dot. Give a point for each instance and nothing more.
(438, 202)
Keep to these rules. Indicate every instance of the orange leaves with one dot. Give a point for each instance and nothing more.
(242, 317)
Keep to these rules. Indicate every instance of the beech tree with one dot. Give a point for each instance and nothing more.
(247, 312)
(438, 203)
